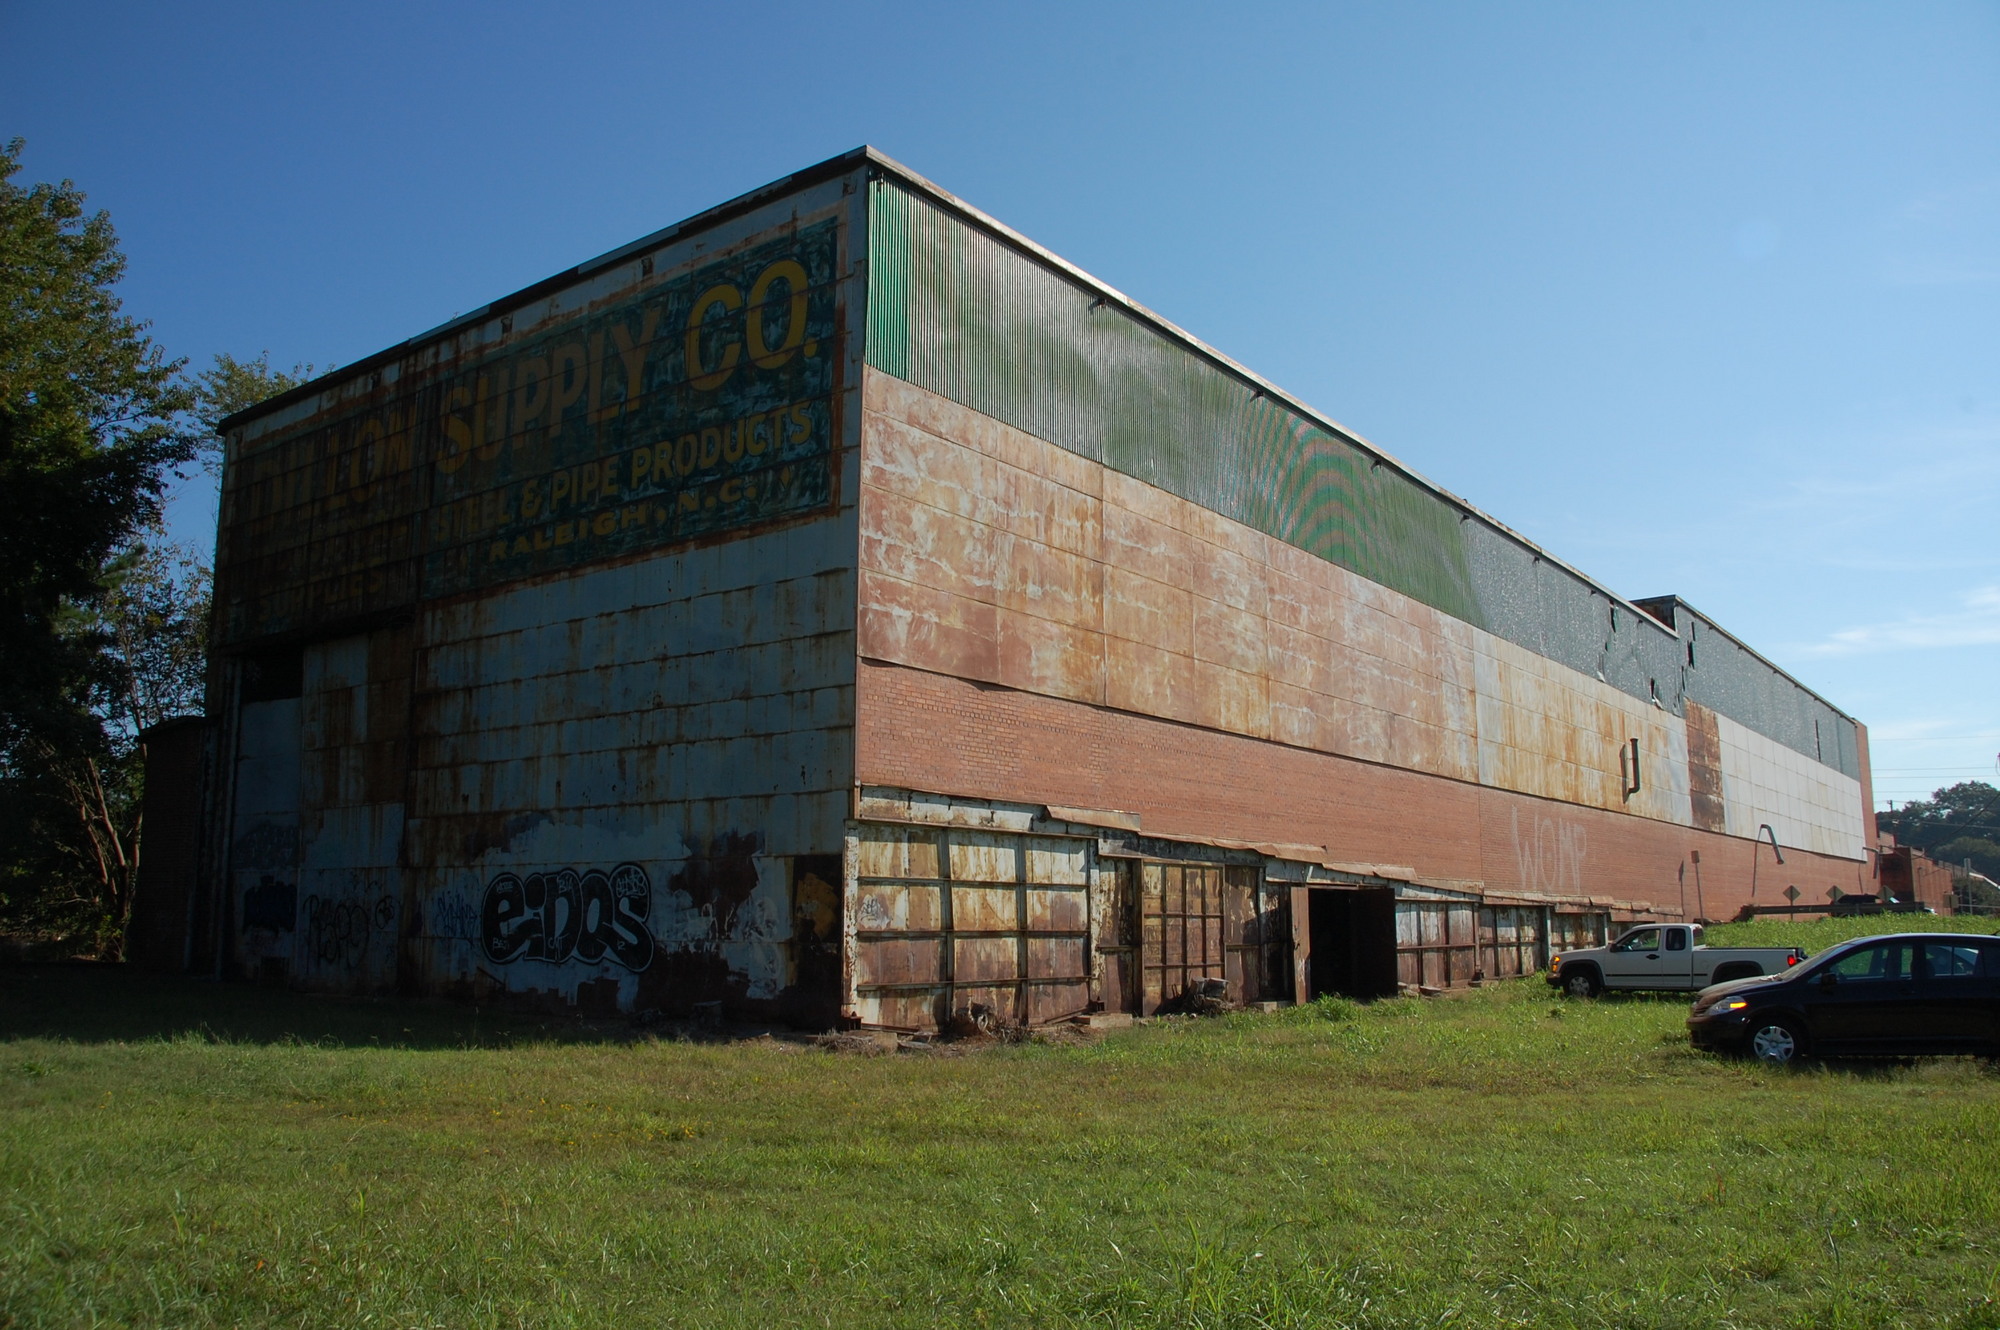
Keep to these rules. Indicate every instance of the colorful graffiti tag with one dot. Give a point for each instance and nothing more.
(564, 914)
(700, 404)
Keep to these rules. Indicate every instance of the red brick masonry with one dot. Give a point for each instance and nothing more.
(950, 736)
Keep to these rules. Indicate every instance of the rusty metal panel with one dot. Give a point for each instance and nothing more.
(683, 395)
(1182, 927)
(949, 917)
(1704, 768)
(602, 758)
(1437, 943)
(963, 310)
(263, 872)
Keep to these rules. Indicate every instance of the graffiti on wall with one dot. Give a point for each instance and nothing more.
(1550, 853)
(453, 915)
(695, 405)
(563, 914)
(337, 930)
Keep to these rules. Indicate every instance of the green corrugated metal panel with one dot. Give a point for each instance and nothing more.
(954, 311)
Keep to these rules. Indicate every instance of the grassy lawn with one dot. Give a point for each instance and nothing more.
(177, 1153)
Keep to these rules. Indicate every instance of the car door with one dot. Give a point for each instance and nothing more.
(1957, 998)
(1677, 965)
(1864, 999)
(1637, 960)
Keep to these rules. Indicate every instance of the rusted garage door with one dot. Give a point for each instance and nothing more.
(946, 918)
(1435, 943)
(1182, 923)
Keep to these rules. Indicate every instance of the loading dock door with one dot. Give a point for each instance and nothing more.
(946, 918)
(1181, 928)
(1349, 938)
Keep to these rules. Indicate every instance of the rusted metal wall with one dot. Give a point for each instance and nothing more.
(987, 553)
(947, 920)
(964, 311)
(537, 633)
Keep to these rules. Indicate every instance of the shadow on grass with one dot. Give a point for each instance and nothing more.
(86, 1003)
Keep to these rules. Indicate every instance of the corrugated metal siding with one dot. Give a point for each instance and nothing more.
(956, 311)
(588, 761)
(508, 453)
(680, 729)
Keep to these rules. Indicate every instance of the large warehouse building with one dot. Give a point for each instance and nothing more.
(839, 608)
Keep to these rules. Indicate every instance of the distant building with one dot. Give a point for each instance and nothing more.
(836, 606)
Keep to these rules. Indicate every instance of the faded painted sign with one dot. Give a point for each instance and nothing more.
(699, 405)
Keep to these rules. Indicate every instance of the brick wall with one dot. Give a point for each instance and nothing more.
(930, 731)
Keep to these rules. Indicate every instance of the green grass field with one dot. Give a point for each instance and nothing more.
(184, 1154)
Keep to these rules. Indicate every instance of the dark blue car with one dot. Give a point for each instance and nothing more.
(1901, 993)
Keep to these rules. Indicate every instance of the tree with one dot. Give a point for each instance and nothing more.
(233, 385)
(1957, 823)
(140, 649)
(93, 420)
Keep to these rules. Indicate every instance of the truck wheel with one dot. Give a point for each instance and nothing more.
(1776, 1042)
(1582, 981)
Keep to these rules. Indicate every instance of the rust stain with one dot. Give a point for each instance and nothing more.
(1704, 740)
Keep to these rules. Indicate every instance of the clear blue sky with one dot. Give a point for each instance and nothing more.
(1705, 298)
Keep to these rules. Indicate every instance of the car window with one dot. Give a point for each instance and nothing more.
(1888, 960)
(1989, 960)
(1677, 939)
(1951, 960)
(1646, 939)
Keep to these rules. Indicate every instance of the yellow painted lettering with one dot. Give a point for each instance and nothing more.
(699, 375)
(570, 378)
(634, 357)
(731, 491)
(762, 355)
(711, 447)
(802, 426)
(757, 437)
(558, 489)
(597, 411)
(684, 454)
(642, 463)
(489, 444)
(457, 434)
(604, 523)
(531, 392)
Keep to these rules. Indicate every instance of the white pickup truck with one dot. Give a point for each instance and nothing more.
(1663, 958)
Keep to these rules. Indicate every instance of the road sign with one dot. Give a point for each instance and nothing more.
(1833, 893)
(1792, 894)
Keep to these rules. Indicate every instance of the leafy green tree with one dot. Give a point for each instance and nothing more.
(232, 385)
(1969, 808)
(93, 422)
(1955, 824)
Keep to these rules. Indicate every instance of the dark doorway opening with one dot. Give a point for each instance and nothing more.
(1352, 941)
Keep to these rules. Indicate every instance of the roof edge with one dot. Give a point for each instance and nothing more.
(1234, 368)
(701, 221)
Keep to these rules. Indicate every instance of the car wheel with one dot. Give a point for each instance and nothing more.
(1582, 982)
(1776, 1042)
